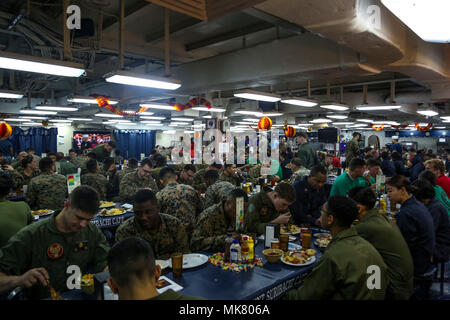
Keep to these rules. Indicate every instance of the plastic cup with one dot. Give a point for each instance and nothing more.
(306, 239)
(284, 242)
(177, 264)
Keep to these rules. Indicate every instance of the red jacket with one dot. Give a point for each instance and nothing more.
(336, 162)
(444, 182)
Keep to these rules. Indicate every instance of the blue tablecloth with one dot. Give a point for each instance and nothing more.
(269, 282)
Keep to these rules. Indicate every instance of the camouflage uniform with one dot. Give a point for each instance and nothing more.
(260, 212)
(47, 191)
(120, 174)
(66, 167)
(100, 167)
(210, 229)
(118, 160)
(96, 181)
(217, 192)
(155, 175)
(16, 178)
(170, 237)
(254, 173)
(235, 179)
(198, 182)
(180, 201)
(101, 152)
(131, 183)
(299, 175)
(79, 162)
(26, 179)
(16, 165)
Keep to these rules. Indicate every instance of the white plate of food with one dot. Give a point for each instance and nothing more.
(322, 240)
(162, 263)
(291, 229)
(191, 260)
(300, 258)
(42, 212)
(106, 204)
(322, 235)
(113, 212)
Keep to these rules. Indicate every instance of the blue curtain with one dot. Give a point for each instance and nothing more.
(132, 143)
(40, 139)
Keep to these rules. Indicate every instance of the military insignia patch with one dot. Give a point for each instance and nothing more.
(55, 251)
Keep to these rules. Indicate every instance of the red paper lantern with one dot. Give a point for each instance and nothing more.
(265, 123)
(289, 131)
(5, 130)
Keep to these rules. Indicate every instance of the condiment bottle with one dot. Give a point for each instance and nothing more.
(235, 251)
(228, 243)
(244, 250)
(251, 250)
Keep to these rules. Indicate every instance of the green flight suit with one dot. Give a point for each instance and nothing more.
(30, 248)
(101, 152)
(387, 239)
(308, 156)
(67, 167)
(260, 212)
(351, 151)
(341, 273)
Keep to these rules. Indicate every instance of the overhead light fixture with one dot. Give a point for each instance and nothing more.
(151, 122)
(80, 119)
(154, 124)
(153, 118)
(427, 110)
(377, 108)
(335, 106)
(207, 117)
(182, 119)
(31, 124)
(174, 124)
(19, 62)
(272, 114)
(30, 111)
(428, 19)
(88, 100)
(250, 113)
(257, 95)
(303, 124)
(342, 123)
(120, 121)
(159, 106)
(56, 108)
(359, 126)
(33, 118)
(365, 120)
(7, 94)
(445, 117)
(302, 102)
(337, 116)
(142, 80)
(393, 123)
(251, 120)
(108, 115)
(60, 120)
(169, 131)
(320, 121)
(210, 110)
(145, 113)
(440, 127)
(188, 131)
(17, 119)
(244, 122)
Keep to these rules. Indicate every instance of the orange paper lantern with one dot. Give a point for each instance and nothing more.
(5, 130)
(289, 131)
(265, 123)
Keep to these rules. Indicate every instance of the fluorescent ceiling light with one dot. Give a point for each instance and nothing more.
(427, 18)
(188, 131)
(88, 100)
(342, 123)
(359, 126)
(303, 124)
(174, 124)
(183, 119)
(244, 122)
(375, 108)
(108, 115)
(34, 118)
(145, 113)
(365, 120)
(154, 124)
(7, 94)
(300, 102)
(210, 110)
(169, 131)
(440, 127)
(207, 117)
(153, 118)
(151, 122)
(272, 114)
(334, 106)
(251, 120)
(257, 95)
(158, 106)
(320, 121)
(29, 124)
(29, 111)
(142, 80)
(120, 121)
(428, 113)
(393, 123)
(337, 116)
(250, 113)
(16, 119)
(19, 62)
(59, 120)
(56, 108)
(80, 119)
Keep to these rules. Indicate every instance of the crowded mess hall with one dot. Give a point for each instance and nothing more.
(224, 150)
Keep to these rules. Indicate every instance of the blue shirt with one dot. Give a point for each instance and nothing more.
(416, 225)
(441, 228)
(397, 147)
(306, 208)
(415, 171)
(4, 147)
(388, 168)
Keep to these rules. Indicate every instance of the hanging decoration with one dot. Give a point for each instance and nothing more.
(404, 126)
(265, 123)
(192, 103)
(103, 102)
(379, 128)
(5, 130)
(289, 131)
(423, 129)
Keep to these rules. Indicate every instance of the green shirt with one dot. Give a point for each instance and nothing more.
(308, 156)
(344, 183)
(13, 217)
(387, 239)
(341, 273)
(31, 248)
(442, 197)
(101, 152)
(66, 167)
